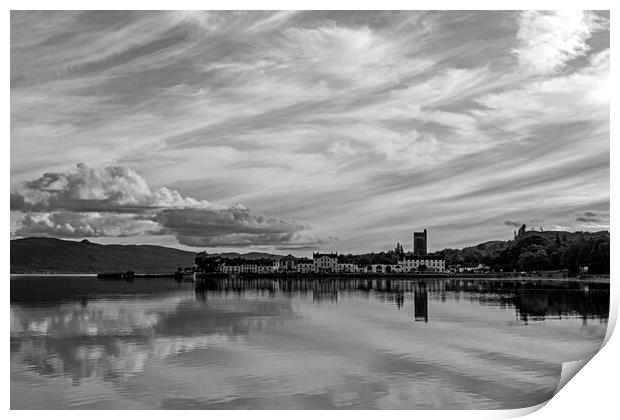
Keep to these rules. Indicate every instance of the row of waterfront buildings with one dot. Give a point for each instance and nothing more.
(321, 262)
(328, 263)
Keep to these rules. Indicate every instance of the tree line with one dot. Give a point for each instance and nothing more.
(534, 251)
(529, 251)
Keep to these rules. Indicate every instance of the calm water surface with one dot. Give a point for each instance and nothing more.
(79, 342)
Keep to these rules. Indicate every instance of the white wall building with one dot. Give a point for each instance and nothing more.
(248, 267)
(305, 265)
(385, 268)
(266, 267)
(432, 263)
(234, 267)
(328, 263)
(230, 268)
(347, 268)
(288, 263)
(472, 268)
(325, 263)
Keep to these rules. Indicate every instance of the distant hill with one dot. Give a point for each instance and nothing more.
(536, 250)
(249, 255)
(532, 250)
(564, 235)
(535, 237)
(47, 255)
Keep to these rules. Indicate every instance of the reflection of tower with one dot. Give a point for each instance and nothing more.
(400, 299)
(419, 243)
(420, 302)
(201, 294)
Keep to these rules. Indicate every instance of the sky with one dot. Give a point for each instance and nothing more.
(294, 131)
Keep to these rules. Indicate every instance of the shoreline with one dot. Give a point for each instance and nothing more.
(407, 276)
(348, 276)
(53, 274)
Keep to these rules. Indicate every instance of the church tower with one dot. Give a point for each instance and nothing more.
(419, 243)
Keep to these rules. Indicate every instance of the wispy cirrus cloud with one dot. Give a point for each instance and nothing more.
(363, 125)
(592, 219)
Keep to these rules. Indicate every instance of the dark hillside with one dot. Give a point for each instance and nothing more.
(47, 255)
(534, 250)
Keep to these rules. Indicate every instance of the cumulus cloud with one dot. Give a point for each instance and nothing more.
(549, 39)
(86, 189)
(117, 201)
(236, 219)
(234, 226)
(89, 224)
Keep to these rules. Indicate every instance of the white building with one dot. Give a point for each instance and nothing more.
(248, 267)
(265, 267)
(288, 263)
(230, 268)
(423, 263)
(259, 266)
(385, 268)
(472, 268)
(347, 268)
(305, 265)
(325, 263)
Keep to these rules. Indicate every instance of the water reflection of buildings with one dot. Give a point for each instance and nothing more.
(537, 305)
(325, 292)
(321, 296)
(538, 300)
(420, 302)
(532, 300)
(95, 329)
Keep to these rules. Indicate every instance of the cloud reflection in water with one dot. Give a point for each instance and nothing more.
(270, 344)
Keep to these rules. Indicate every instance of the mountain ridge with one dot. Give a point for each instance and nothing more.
(35, 255)
(38, 255)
